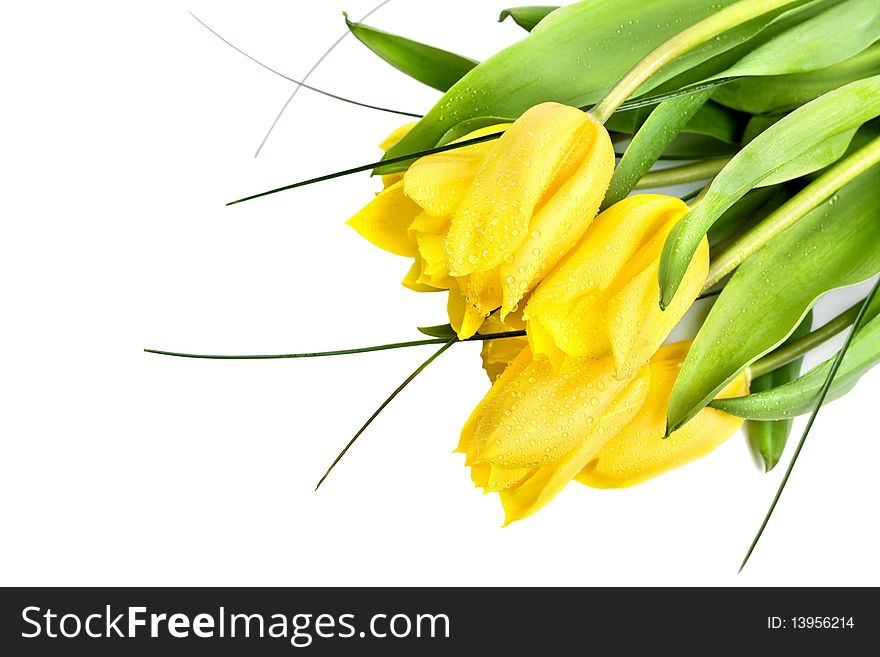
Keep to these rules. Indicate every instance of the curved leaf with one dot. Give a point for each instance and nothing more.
(656, 133)
(724, 60)
(466, 127)
(791, 137)
(823, 155)
(818, 157)
(429, 65)
(767, 438)
(799, 396)
(573, 56)
(745, 213)
(836, 244)
(721, 123)
(836, 34)
(444, 331)
(760, 95)
(526, 17)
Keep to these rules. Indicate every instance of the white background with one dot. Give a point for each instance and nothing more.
(125, 128)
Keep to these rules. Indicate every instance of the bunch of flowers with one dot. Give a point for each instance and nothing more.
(518, 196)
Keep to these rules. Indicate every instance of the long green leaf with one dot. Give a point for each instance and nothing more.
(721, 123)
(836, 244)
(815, 159)
(836, 34)
(818, 157)
(656, 133)
(798, 396)
(760, 95)
(724, 60)
(526, 17)
(745, 213)
(767, 438)
(791, 137)
(432, 66)
(711, 120)
(573, 56)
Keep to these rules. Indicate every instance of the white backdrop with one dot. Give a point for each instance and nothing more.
(126, 126)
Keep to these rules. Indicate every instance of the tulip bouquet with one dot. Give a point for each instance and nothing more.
(518, 195)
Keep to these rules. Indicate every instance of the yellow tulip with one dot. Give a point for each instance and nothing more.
(487, 221)
(639, 451)
(603, 297)
(537, 428)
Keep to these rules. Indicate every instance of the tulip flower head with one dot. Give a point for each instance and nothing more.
(603, 297)
(488, 220)
(539, 428)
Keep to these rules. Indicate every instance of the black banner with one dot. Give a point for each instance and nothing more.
(392, 621)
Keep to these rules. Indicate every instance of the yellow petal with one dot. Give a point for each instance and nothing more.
(537, 416)
(384, 221)
(463, 317)
(413, 279)
(429, 234)
(389, 179)
(467, 444)
(538, 489)
(638, 325)
(496, 479)
(564, 218)
(603, 297)
(640, 452)
(520, 172)
(482, 291)
(396, 135)
(438, 182)
(496, 354)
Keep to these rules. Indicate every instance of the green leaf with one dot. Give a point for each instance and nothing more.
(823, 155)
(526, 17)
(573, 56)
(834, 245)
(838, 33)
(745, 213)
(655, 135)
(759, 123)
(721, 123)
(466, 127)
(444, 331)
(711, 120)
(793, 136)
(818, 157)
(760, 95)
(798, 397)
(432, 66)
(724, 60)
(768, 437)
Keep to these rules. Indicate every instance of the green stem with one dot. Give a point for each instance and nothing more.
(682, 174)
(820, 399)
(388, 400)
(340, 352)
(798, 348)
(681, 44)
(795, 208)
